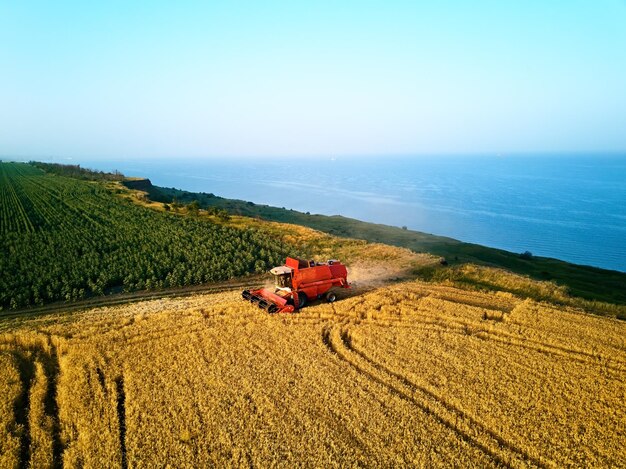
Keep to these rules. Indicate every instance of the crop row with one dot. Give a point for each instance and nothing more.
(14, 214)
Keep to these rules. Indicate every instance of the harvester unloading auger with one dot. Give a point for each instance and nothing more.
(298, 281)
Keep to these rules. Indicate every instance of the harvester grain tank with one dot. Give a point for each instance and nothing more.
(297, 282)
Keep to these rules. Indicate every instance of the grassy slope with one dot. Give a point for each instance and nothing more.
(583, 281)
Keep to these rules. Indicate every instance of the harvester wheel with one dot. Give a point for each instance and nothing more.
(302, 299)
(331, 297)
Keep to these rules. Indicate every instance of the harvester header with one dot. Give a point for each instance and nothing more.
(297, 282)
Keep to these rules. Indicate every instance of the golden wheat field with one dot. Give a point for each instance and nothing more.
(411, 374)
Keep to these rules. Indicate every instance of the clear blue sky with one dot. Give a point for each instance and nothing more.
(162, 79)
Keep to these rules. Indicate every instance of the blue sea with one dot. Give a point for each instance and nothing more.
(568, 207)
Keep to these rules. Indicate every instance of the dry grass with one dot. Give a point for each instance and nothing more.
(412, 374)
(495, 279)
(11, 428)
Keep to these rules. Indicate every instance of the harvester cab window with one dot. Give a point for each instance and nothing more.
(283, 281)
(282, 276)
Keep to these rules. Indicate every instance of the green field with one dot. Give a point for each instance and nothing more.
(66, 239)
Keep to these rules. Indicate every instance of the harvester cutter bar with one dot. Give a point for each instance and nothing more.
(261, 302)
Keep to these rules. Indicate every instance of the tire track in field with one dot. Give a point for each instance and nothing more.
(25, 357)
(464, 328)
(468, 429)
(519, 303)
(465, 297)
(121, 418)
(537, 460)
(333, 340)
(52, 370)
(26, 370)
(427, 317)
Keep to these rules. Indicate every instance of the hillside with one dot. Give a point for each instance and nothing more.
(413, 374)
(68, 239)
(586, 282)
(604, 289)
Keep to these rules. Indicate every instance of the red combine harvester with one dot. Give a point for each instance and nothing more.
(297, 282)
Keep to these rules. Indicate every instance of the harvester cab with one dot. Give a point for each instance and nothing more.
(282, 276)
(298, 281)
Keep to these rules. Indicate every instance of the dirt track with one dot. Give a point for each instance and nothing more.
(123, 298)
